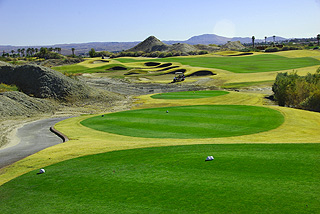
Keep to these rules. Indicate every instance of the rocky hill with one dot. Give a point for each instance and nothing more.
(43, 82)
(233, 46)
(43, 90)
(150, 44)
(16, 103)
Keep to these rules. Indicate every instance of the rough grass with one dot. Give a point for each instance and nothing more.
(247, 84)
(186, 122)
(5, 87)
(189, 94)
(269, 178)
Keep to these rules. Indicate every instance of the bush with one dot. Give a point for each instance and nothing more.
(272, 49)
(298, 91)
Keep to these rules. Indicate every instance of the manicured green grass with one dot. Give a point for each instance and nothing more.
(243, 178)
(189, 94)
(207, 121)
(248, 64)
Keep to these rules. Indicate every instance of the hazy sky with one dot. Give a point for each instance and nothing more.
(49, 22)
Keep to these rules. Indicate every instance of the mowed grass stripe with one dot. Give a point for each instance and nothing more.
(266, 178)
(209, 121)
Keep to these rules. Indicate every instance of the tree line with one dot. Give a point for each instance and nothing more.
(296, 91)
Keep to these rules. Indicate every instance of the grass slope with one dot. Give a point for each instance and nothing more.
(189, 94)
(208, 121)
(243, 178)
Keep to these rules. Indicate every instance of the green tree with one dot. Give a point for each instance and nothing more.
(92, 52)
(318, 38)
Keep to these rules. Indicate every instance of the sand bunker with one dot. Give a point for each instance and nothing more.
(201, 73)
(168, 68)
(117, 68)
(99, 61)
(152, 63)
(164, 65)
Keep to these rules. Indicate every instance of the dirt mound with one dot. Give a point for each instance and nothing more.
(15, 103)
(42, 82)
(233, 46)
(206, 48)
(151, 44)
(182, 47)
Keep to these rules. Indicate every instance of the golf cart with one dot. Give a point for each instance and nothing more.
(179, 77)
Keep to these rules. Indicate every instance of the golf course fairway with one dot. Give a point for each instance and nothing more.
(183, 122)
(242, 178)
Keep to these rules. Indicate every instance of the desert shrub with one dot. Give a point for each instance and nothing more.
(272, 49)
(203, 52)
(298, 91)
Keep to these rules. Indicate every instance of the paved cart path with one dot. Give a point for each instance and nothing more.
(33, 137)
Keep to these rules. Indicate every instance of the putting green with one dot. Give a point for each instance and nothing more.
(183, 122)
(189, 94)
(266, 178)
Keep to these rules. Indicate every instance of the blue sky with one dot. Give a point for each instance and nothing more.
(49, 22)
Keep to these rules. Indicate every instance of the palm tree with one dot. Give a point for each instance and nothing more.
(72, 52)
(318, 38)
(274, 39)
(253, 38)
(265, 40)
(12, 51)
(22, 51)
(19, 51)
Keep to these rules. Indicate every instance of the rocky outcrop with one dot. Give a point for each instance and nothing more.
(234, 46)
(42, 82)
(15, 103)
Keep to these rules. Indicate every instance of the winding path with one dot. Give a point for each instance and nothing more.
(34, 136)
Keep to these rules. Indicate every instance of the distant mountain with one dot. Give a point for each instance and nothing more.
(84, 48)
(207, 39)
